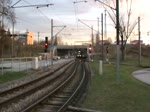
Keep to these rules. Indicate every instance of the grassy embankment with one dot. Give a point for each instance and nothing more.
(11, 76)
(130, 95)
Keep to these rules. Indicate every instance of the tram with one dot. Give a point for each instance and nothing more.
(81, 55)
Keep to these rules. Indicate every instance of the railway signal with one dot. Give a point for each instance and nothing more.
(46, 44)
(90, 48)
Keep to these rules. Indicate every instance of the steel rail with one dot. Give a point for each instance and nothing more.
(30, 107)
(74, 93)
(47, 73)
(68, 96)
(29, 91)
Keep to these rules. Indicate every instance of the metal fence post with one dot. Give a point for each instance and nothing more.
(19, 63)
(26, 64)
(2, 67)
(11, 64)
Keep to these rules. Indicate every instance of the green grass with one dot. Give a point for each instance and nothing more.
(106, 95)
(11, 76)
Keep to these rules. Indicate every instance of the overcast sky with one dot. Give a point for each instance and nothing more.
(66, 12)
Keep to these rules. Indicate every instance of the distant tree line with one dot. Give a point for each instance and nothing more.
(5, 42)
(7, 16)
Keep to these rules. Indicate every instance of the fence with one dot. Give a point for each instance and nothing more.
(21, 64)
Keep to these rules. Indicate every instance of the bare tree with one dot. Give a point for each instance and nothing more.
(7, 17)
(127, 24)
(7, 13)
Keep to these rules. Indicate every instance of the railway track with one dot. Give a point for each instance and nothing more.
(11, 98)
(64, 95)
(52, 91)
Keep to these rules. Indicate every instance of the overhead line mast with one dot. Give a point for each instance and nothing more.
(37, 6)
(117, 38)
(80, 1)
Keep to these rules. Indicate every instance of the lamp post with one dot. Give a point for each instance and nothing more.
(12, 40)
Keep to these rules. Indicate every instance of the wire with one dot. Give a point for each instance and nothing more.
(48, 18)
(60, 20)
(43, 14)
(37, 10)
(76, 17)
(58, 17)
(16, 3)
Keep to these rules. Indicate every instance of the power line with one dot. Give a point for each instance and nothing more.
(43, 14)
(76, 18)
(16, 3)
(60, 19)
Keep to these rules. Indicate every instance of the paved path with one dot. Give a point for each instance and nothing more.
(143, 75)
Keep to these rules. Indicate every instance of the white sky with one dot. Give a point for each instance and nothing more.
(65, 12)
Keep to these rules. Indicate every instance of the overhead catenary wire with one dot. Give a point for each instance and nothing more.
(28, 21)
(46, 17)
(53, 26)
(32, 8)
(67, 29)
(30, 5)
(75, 12)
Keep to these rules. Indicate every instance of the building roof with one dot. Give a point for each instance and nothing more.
(136, 42)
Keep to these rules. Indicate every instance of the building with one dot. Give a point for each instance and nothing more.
(120, 42)
(26, 38)
(134, 42)
(105, 42)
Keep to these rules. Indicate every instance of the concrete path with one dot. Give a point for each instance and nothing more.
(143, 75)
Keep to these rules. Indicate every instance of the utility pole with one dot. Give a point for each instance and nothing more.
(38, 38)
(105, 27)
(117, 38)
(97, 36)
(52, 36)
(139, 33)
(118, 46)
(98, 28)
(92, 37)
(92, 43)
(51, 49)
(12, 50)
(102, 35)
